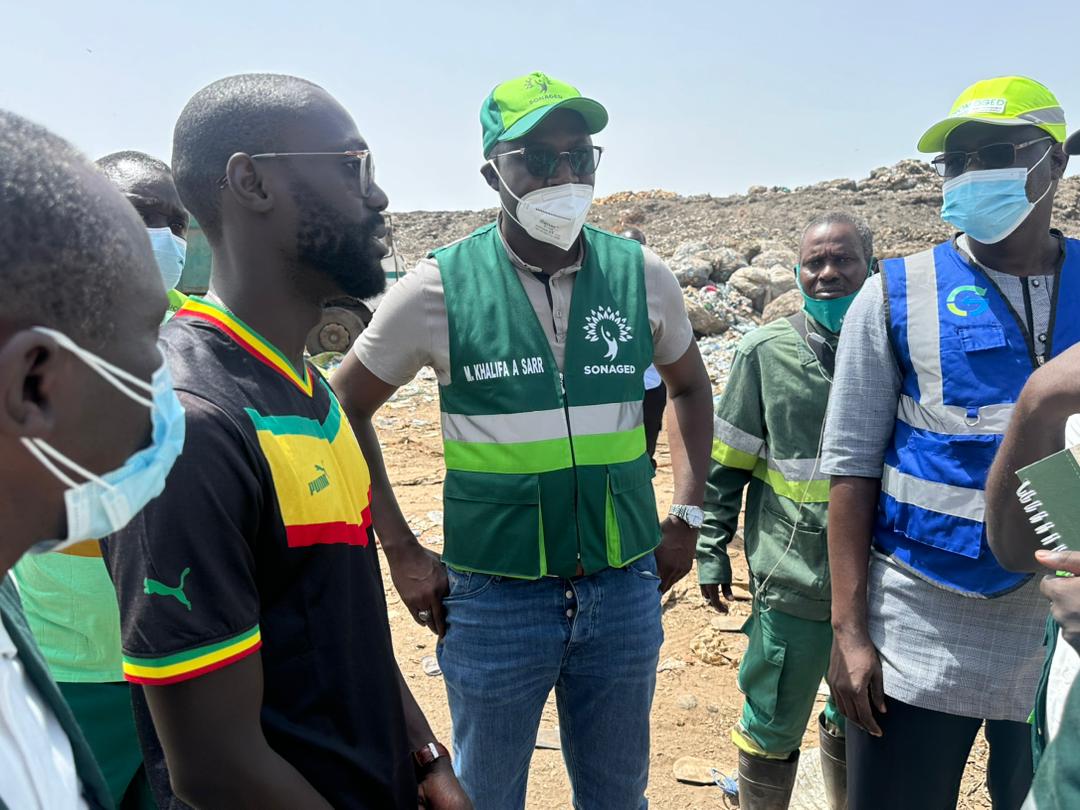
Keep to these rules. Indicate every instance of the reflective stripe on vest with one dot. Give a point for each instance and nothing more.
(963, 358)
(536, 441)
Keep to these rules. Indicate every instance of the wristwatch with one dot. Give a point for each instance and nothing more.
(692, 516)
(425, 757)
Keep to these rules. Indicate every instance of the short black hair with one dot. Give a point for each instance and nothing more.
(244, 113)
(113, 163)
(866, 236)
(64, 249)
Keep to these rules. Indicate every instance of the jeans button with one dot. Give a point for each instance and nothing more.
(569, 594)
(570, 614)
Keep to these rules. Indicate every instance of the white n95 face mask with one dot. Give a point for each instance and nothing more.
(554, 214)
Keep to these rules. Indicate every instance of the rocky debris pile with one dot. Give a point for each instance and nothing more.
(716, 308)
(734, 255)
(900, 202)
(695, 264)
(783, 306)
(761, 285)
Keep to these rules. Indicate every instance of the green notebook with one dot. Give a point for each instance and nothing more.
(1050, 493)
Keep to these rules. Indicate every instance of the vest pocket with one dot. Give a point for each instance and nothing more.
(961, 461)
(944, 532)
(631, 525)
(491, 523)
(803, 567)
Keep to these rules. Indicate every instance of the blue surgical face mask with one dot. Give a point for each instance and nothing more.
(170, 251)
(101, 505)
(990, 204)
(829, 312)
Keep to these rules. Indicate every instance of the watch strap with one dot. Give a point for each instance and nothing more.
(683, 513)
(424, 758)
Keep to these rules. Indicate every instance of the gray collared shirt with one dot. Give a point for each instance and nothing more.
(939, 651)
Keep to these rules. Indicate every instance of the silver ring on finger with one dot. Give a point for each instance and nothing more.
(424, 616)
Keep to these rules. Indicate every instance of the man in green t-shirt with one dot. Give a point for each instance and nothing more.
(68, 597)
(767, 440)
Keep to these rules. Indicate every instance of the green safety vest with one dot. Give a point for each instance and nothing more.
(545, 471)
(176, 301)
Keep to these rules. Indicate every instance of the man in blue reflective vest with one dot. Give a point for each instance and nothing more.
(932, 637)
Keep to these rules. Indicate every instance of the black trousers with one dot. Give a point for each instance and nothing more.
(919, 761)
(653, 407)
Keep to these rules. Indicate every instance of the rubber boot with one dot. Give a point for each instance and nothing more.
(766, 784)
(833, 765)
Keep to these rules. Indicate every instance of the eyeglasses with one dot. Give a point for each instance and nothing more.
(991, 156)
(360, 162)
(543, 161)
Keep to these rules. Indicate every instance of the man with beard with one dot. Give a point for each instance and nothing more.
(251, 600)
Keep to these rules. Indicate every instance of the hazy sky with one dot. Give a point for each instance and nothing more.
(704, 96)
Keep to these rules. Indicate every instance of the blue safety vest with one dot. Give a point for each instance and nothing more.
(964, 358)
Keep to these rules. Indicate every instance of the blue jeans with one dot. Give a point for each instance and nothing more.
(594, 639)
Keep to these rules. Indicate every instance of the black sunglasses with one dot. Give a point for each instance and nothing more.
(991, 156)
(543, 161)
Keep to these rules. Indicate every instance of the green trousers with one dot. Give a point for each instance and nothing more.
(779, 675)
(107, 721)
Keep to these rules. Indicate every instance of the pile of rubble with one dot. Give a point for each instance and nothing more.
(734, 256)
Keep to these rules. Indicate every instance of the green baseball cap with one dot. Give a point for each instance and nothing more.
(1072, 144)
(1006, 100)
(514, 108)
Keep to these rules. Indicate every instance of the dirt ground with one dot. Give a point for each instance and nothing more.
(698, 662)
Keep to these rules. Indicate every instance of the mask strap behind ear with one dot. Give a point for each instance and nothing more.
(110, 373)
(510, 191)
(41, 450)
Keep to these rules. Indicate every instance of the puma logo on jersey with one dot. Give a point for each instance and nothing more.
(153, 587)
(320, 483)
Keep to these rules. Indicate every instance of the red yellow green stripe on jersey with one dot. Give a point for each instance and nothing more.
(250, 340)
(321, 478)
(191, 663)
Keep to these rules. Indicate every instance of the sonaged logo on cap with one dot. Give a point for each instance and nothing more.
(982, 105)
(967, 300)
(610, 326)
(537, 81)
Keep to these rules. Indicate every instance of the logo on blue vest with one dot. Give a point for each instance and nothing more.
(609, 325)
(967, 300)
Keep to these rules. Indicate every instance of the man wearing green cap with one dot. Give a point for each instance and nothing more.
(539, 329)
(932, 636)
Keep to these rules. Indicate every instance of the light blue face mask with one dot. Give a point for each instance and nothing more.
(170, 251)
(101, 505)
(989, 204)
(829, 312)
